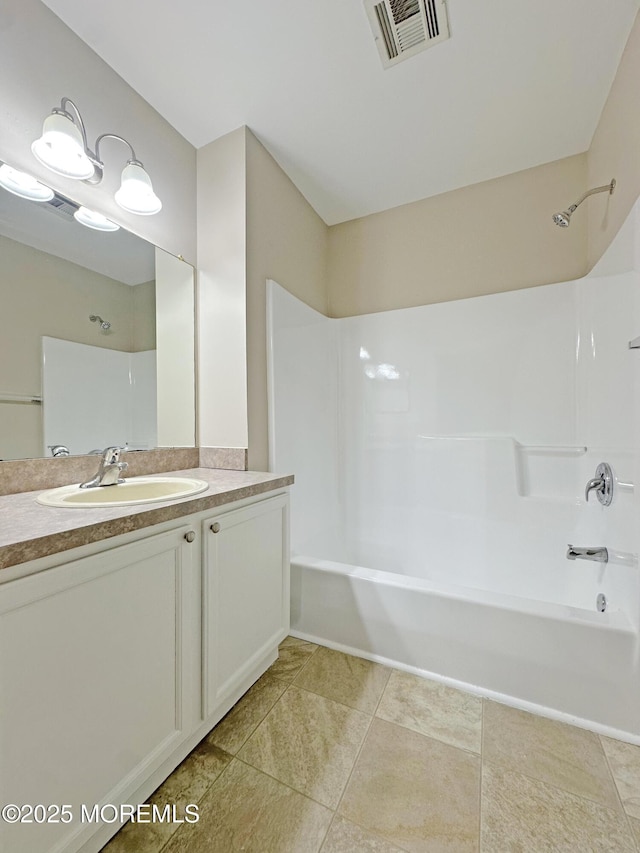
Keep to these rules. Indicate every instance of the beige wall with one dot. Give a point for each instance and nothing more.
(253, 224)
(615, 152)
(221, 293)
(143, 309)
(42, 60)
(44, 295)
(496, 235)
(489, 237)
(175, 351)
(287, 242)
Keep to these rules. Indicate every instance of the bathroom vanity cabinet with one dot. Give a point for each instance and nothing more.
(245, 595)
(117, 658)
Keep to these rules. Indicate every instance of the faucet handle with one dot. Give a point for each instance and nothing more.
(601, 484)
(595, 485)
(111, 455)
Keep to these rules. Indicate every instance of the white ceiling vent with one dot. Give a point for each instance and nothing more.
(61, 206)
(403, 28)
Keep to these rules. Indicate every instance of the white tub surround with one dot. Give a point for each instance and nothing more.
(446, 450)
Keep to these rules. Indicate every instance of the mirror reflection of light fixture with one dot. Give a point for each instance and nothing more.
(64, 149)
(94, 220)
(23, 185)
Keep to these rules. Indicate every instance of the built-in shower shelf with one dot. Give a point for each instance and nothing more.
(533, 449)
(552, 450)
(21, 398)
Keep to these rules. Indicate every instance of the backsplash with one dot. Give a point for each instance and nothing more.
(27, 475)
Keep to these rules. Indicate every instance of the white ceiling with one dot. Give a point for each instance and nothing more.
(520, 82)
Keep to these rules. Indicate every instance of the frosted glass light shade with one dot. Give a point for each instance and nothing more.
(23, 185)
(61, 148)
(136, 194)
(94, 220)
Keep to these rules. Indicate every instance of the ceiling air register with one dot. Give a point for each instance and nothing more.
(403, 28)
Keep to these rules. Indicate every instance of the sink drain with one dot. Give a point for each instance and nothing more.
(601, 602)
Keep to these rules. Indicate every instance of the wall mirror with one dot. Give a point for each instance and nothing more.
(97, 342)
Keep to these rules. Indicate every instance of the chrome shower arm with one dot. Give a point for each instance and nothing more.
(606, 188)
(562, 219)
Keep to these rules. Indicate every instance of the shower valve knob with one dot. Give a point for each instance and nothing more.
(602, 484)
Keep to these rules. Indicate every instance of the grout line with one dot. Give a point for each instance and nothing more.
(304, 665)
(364, 740)
(355, 761)
(615, 785)
(209, 788)
(384, 690)
(253, 729)
(286, 784)
(481, 777)
(326, 835)
(504, 768)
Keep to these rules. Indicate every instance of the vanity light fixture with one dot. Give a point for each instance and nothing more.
(64, 149)
(94, 220)
(23, 185)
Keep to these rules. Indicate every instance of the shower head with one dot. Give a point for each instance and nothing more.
(104, 324)
(563, 219)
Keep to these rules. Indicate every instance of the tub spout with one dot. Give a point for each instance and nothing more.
(598, 555)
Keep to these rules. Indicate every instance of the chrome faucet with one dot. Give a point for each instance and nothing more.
(598, 555)
(109, 469)
(58, 450)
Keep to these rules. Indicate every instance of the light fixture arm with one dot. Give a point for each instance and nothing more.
(122, 139)
(79, 123)
(94, 156)
(62, 110)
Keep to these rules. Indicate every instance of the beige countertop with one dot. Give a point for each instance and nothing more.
(29, 530)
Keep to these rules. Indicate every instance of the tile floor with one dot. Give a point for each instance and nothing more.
(332, 753)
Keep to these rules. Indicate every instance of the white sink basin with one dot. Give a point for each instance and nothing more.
(136, 490)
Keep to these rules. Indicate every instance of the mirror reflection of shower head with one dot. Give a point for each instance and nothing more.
(563, 219)
(104, 324)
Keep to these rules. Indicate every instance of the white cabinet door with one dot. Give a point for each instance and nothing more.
(93, 655)
(246, 596)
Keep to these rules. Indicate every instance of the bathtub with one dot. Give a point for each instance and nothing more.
(567, 663)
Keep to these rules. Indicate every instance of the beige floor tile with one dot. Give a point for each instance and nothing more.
(188, 783)
(245, 810)
(353, 681)
(414, 791)
(234, 729)
(523, 815)
(562, 755)
(433, 709)
(289, 641)
(139, 838)
(293, 654)
(308, 742)
(624, 760)
(346, 837)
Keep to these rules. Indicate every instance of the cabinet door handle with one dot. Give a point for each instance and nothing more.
(190, 535)
(215, 528)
